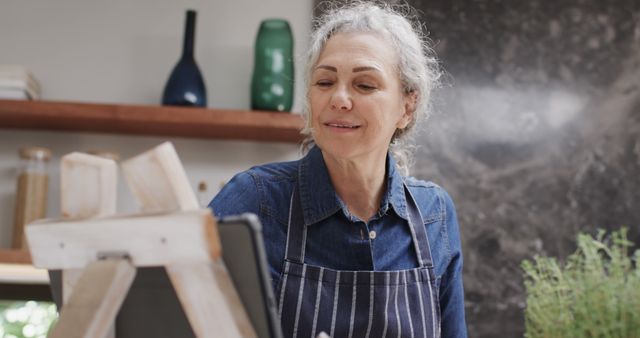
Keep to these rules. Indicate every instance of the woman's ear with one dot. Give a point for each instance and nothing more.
(410, 100)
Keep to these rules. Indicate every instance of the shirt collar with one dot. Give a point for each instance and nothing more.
(319, 199)
(395, 195)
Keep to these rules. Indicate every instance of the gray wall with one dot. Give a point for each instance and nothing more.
(122, 52)
(536, 135)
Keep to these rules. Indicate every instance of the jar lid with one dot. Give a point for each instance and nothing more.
(37, 153)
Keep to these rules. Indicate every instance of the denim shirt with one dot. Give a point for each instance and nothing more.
(339, 240)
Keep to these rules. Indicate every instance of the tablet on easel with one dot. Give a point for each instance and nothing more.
(152, 309)
(245, 258)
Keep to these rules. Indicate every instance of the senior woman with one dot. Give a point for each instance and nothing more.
(356, 248)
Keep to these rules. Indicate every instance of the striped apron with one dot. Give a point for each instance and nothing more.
(312, 299)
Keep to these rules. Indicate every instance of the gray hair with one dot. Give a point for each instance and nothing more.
(418, 68)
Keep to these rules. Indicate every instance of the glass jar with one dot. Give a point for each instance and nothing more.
(272, 80)
(31, 191)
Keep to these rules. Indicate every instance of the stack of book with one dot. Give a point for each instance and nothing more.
(17, 83)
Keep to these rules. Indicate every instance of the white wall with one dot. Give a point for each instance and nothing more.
(122, 51)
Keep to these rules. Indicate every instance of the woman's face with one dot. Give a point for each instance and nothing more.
(356, 97)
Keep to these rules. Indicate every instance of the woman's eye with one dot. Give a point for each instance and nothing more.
(365, 87)
(324, 83)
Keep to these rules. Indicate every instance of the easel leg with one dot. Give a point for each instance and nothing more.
(69, 280)
(205, 302)
(96, 298)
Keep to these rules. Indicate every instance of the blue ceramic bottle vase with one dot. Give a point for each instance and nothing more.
(185, 86)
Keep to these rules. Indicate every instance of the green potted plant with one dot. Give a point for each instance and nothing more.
(26, 319)
(595, 293)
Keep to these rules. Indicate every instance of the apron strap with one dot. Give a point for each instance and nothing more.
(418, 231)
(297, 231)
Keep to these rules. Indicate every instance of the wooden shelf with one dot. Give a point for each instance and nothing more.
(11, 256)
(152, 120)
(21, 281)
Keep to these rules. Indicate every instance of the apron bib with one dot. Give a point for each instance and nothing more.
(311, 299)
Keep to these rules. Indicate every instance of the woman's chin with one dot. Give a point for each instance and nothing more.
(336, 149)
(345, 152)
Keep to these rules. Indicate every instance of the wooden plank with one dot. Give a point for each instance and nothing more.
(151, 240)
(88, 186)
(96, 300)
(70, 278)
(88, 189)
(158, 180)
(152, 120)
(206, 302)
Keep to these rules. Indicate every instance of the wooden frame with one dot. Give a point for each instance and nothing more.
(99, 254)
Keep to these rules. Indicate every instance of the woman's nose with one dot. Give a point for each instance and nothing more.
(341, 100)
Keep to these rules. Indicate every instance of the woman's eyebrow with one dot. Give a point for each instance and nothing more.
(355, 70)
(364, 69)
(331, 68)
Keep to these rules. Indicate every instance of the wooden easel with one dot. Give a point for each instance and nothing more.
(99, 251)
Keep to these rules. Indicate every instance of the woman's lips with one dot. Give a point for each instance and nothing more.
(341, 126)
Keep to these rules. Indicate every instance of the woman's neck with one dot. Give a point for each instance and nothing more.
(360, 182)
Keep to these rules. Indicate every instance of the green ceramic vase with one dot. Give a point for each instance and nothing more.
(272, 80)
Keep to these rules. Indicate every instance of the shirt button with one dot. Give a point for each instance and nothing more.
(372, 234)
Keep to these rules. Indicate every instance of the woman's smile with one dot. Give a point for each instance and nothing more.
(341, 126)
